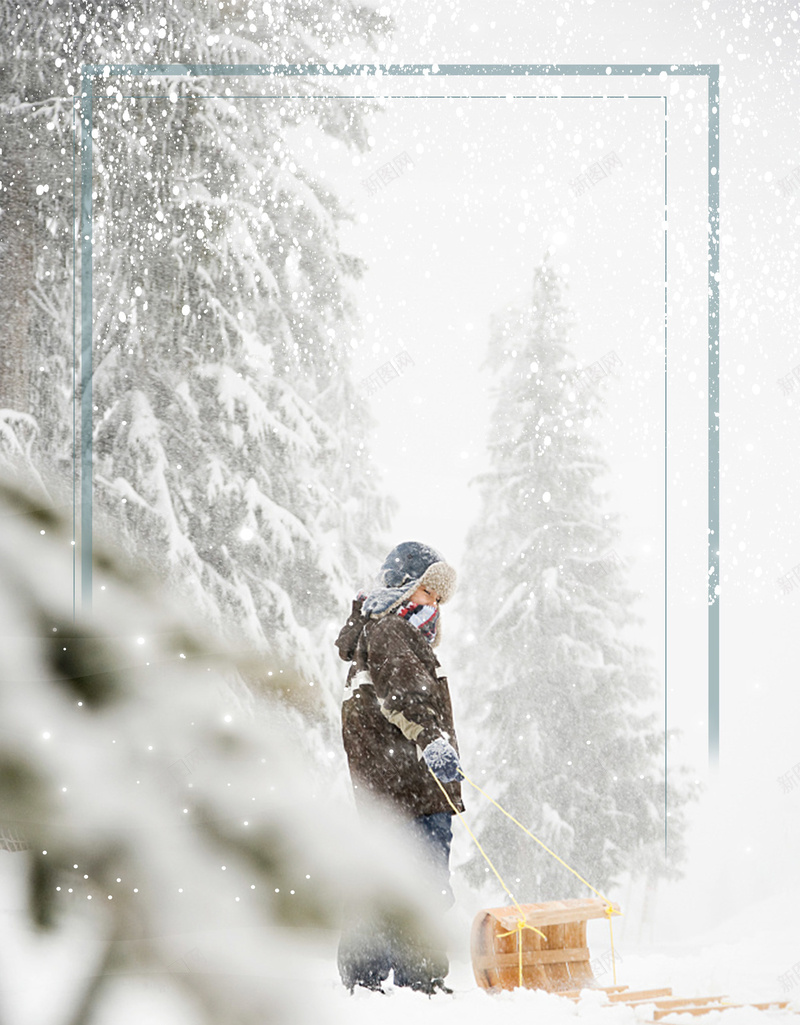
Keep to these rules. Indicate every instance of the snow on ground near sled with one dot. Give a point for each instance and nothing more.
(742, 959)
(729, 969)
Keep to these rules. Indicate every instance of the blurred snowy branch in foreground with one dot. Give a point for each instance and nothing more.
(137, 868)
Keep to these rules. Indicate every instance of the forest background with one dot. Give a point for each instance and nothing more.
(245, 462)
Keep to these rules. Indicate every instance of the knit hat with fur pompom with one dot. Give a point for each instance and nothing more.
(408, 566)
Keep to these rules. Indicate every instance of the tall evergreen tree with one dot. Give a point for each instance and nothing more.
(222, 316)
(560, 700)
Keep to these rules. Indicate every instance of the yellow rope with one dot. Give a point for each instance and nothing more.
(609, 913)
(521, 923)
(536, 838)
(610, 910)
(518, 928)
(475, 841)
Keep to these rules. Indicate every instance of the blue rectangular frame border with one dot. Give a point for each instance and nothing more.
(710, 71)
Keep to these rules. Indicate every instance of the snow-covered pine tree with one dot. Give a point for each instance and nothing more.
(222, 323)
(36, 218)
(561, 728)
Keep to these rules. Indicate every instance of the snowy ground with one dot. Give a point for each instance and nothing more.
(742, 958)
(745, 968)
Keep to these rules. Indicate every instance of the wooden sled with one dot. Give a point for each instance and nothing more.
(560, 963)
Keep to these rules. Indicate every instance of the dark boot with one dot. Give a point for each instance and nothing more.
(418, 970)
(430, 986)
(363, 957)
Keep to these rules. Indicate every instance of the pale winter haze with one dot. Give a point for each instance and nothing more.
(334, 312)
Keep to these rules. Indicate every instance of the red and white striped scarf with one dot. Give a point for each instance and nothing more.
(424, 617)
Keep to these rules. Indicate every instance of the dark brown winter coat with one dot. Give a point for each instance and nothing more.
(396, 702)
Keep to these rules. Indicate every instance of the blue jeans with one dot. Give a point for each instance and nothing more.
(369, 950)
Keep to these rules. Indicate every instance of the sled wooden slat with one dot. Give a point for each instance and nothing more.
(693, 1009)
(676, 1001)
(696, 1010)
(641, 996)
(576, 994)
(553, 912)
(533, 957)
(559, 963)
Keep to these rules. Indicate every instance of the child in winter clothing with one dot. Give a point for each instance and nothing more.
(397, 728)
